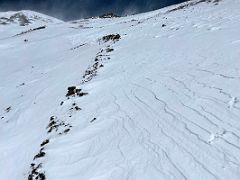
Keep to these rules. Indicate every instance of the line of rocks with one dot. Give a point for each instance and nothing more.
(58, 127)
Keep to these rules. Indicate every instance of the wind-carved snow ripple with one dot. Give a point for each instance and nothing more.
(193, 130)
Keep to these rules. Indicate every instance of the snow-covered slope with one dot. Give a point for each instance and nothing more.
(162, 101)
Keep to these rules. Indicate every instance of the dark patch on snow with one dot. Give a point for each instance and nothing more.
(19, 17)
(94, 119)
(30, 30)
(40, 154)
(76, 47)
(36, 173)
(74, 91)
(8, 109)
(22, 19)
(82, 94)
(77, 108)
(57, 125)
(109, 50)
(71, 91)
(108, 15)
(44, 142)
(112, 37)
(91, 72)
(66, 131)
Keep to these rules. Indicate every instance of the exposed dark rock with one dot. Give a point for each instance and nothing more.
(40, 154)
(41, 176)
(109, 50)
(82, 94)
(36, 173)
(72, 91)
(77, 108)
(23, 20)
(76, 47)
(113, 37)
(52, 124)
(31, 30)
(56, 125)
(108, 15)
(8, 109)
(94, 119)
(66, 131)
(45, 142)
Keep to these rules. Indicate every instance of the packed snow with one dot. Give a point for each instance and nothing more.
(153, 96)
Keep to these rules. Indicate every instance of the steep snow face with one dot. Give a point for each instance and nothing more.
(149, 96)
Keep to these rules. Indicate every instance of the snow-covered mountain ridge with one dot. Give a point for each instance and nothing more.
(24, 18)
(149, 96)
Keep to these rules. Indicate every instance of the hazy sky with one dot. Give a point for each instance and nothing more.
(75, 9)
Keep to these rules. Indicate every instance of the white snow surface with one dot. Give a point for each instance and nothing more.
(165, 105)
